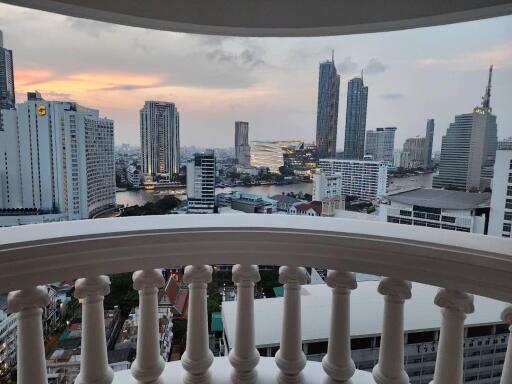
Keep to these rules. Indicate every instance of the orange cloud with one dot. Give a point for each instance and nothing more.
(26, 76)
(500, 56)
(75, 84)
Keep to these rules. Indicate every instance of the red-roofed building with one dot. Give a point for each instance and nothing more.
(306, 209)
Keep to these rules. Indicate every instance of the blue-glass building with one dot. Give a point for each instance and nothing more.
(327, 109)
(355, 124)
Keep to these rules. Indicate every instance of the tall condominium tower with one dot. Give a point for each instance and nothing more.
(160, 140)
(242, 148)
(327, 109)
(355, 124)
(414, 147)
(7, 99)
(429, 142)
(201, 183)
(469, 147)
(56, 158)
(380, 144)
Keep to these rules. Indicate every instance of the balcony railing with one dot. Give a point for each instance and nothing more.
(462, 264)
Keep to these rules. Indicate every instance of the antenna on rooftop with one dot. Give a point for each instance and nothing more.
(486, 100)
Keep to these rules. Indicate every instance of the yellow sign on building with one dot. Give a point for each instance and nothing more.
(41, 110)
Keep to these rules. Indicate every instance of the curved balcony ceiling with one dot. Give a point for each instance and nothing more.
(275, 17)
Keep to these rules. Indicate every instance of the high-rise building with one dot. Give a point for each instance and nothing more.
(160, 140)
(355, 124)
(380, 144)
(242, 148)
(469, 147)
(364, 179)
(57, 158)
(327, 109)
(505, 144)
(500, 222)
(429, 142)
(302, 159)
(415, 148)
(7, 96)
(201, 183)
(270, 154)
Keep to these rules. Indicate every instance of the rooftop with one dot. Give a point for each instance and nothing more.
(420, 313)
(285, 199)
(441, 198)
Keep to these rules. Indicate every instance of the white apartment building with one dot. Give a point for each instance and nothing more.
(133, 176)
(201, 183)
(361, 178)
(500, 222)
(160, 140)
(57, 158)
(435, 208)
(380, 144)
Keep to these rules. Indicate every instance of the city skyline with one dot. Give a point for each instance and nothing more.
(217, 80)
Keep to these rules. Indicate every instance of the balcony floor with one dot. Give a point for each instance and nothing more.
(267, 373)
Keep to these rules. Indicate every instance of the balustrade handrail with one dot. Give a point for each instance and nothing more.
(45, 253)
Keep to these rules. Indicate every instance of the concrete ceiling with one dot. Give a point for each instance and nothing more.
(275, 17)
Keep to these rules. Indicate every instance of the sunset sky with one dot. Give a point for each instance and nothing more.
(412, 75)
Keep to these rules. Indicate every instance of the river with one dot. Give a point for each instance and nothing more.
(141, 197)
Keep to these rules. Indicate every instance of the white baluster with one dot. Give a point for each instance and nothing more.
(506, 375)
(244, 356)
(197, 357)
(290, 358)
(390, 369)
(450, 352)
(338, 363)
(94, 368)
(28, 304)
(149, 364)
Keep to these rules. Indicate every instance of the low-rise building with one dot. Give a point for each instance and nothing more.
(306, 209)
(437, 208)
(247, 202)
(485, 335)
(284, 202)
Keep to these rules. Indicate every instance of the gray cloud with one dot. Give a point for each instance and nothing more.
(375, 66)
(392, 96)
(250, 58)
(92, 28)
(127, 87)
(348, 66)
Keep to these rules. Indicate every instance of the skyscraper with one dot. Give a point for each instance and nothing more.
(469, 147)
(327, 109)
(201, 183)
(57, 158)
(415, 149)
(160, 140)
(242, 148)
(7, 98)
(429, 141)
(380, 144)
(355, 124)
